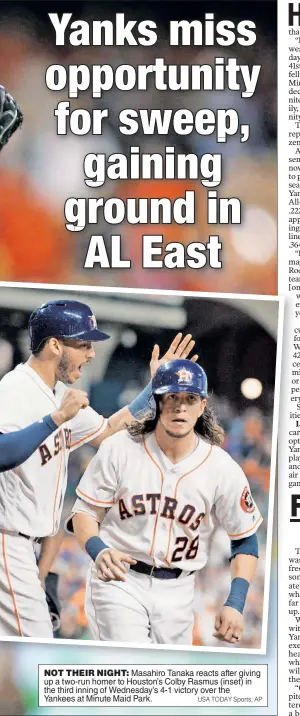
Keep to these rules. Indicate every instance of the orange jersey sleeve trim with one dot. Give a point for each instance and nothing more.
(241, 534)
(86, 437)
(92, 499)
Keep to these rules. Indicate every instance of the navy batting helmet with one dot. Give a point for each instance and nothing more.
(63, 319)
(180, 375)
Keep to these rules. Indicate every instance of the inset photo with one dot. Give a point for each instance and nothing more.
(138, 438)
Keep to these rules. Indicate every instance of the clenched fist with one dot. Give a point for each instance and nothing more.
(71, 403)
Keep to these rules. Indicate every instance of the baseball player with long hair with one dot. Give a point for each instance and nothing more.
(144, 516)
(41, 422)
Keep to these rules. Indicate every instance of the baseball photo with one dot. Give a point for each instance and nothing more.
(145, 515)
(136, 485)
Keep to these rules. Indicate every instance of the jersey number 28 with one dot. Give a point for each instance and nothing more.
(191, 549)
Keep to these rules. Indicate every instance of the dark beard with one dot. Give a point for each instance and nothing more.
(63, 369)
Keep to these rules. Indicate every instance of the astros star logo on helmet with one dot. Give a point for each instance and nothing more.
(185, 376)
(93, 321)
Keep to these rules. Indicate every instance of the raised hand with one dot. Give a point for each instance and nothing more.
(179, 348)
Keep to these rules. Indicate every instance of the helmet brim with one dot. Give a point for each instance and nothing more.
(92, 335)
(178, 389)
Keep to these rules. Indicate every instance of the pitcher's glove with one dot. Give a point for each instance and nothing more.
(54, 606)
(11, 116)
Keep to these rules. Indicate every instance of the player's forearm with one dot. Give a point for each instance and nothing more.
(141, 408)
(19, 445)
(120, 420)
(84, 527)
(49, 551)
(117, 421)
(244, 566)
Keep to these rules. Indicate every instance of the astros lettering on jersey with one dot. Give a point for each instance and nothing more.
(160, 512)
(31, 496)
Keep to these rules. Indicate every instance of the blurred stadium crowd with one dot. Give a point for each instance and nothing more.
(40, 170)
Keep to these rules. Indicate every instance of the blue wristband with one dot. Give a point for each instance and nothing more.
(238, 593)
(143, 406)
(95, 545)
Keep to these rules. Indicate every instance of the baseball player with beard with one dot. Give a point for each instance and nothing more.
(41, 422)
(144, 515)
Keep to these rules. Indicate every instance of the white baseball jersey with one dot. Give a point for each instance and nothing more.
(160, 512)
(31, 495)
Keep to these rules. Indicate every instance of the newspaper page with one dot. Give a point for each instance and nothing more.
(289, 254)
(144, 371)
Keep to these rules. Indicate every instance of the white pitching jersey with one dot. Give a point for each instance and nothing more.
(31, 495)
(159, 512)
